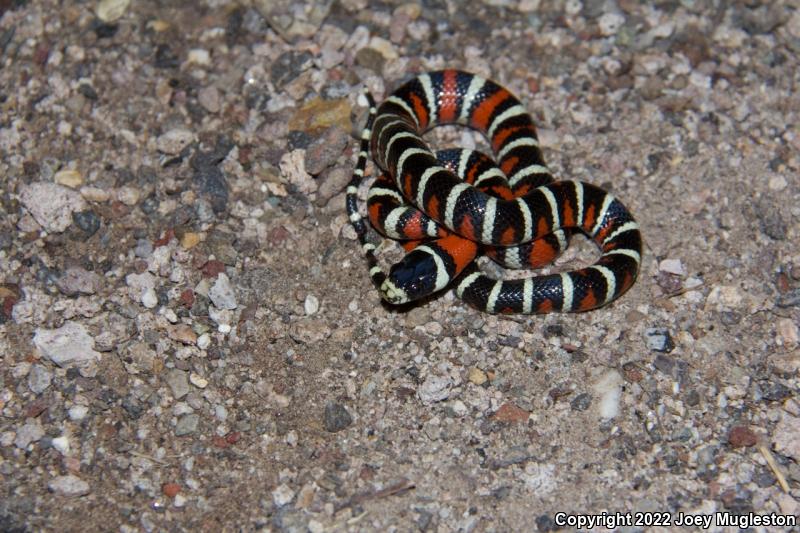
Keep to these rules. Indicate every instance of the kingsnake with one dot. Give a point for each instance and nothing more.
(451, 205)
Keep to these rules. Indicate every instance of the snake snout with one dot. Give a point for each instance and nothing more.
(414, 277)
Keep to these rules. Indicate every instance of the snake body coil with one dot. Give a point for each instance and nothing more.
(451, 205)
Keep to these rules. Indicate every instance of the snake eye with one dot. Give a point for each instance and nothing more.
(415, 274)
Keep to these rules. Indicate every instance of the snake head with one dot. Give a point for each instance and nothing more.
(414, 277)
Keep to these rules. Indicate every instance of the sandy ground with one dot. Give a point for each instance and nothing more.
(190, 340)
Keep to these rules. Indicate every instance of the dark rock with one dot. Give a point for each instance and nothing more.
(181, 216)
(298, 139)
(692, 398)
(209, 178)
(336, 417)
(764, 477)
(581, 402)
(6, 239)
(165, 57)
(105, 30)
(133, 407)
(149, 205)
(545, 523)
(371, 59)
(730, 318)
(762, 20)
(789, 299)
(87, 91)
(770, 218)
(775, 392)
(87, 221)
(288, 66)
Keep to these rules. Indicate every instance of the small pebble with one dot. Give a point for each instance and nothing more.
(609, 389)
(282, 495)
(336, 417)
(434, 389)
(610, 23)
(477, 376)
(325, 151)
(69, 485)
(581, 402)
(78, 412)
(311, 304)
(204, 341)
(198, 381)
(61, 444)
(69, 178)
(174, 141)
(659, 340)
(39, 379)
(786, 436)
(742, 437)
(87, 221)
(187, 424)
(209, 98)
(29, 433)
(199, 56)
(222, 294)
(511, 413)
(128, 195)
(77, 280)
(672, 266)
(69, 345)
(178, 382)
(149, 298)
(788, 332)
(111, 10)
(170, 490)
(52, 205)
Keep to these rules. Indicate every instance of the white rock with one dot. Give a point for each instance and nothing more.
(78, 412)
(293, 169)
(69, 486)
(434, 389)
(69, 345)
(222, 294)
(777, 183)
(609, 390)
(672, 266)
(610, 23)
(204, 341)
(29, 433)
(199, 56)
(51, 204)
(727, 295)
(282, 495)
(311, 304)
(173, 141)
(143, 288)
(528, 6)
(111, 10)
(198, 381)
(61, 444)
(149, 298)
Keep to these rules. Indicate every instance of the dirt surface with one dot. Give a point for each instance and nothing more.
(189, 337)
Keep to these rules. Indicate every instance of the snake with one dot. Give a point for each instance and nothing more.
(450, 206)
